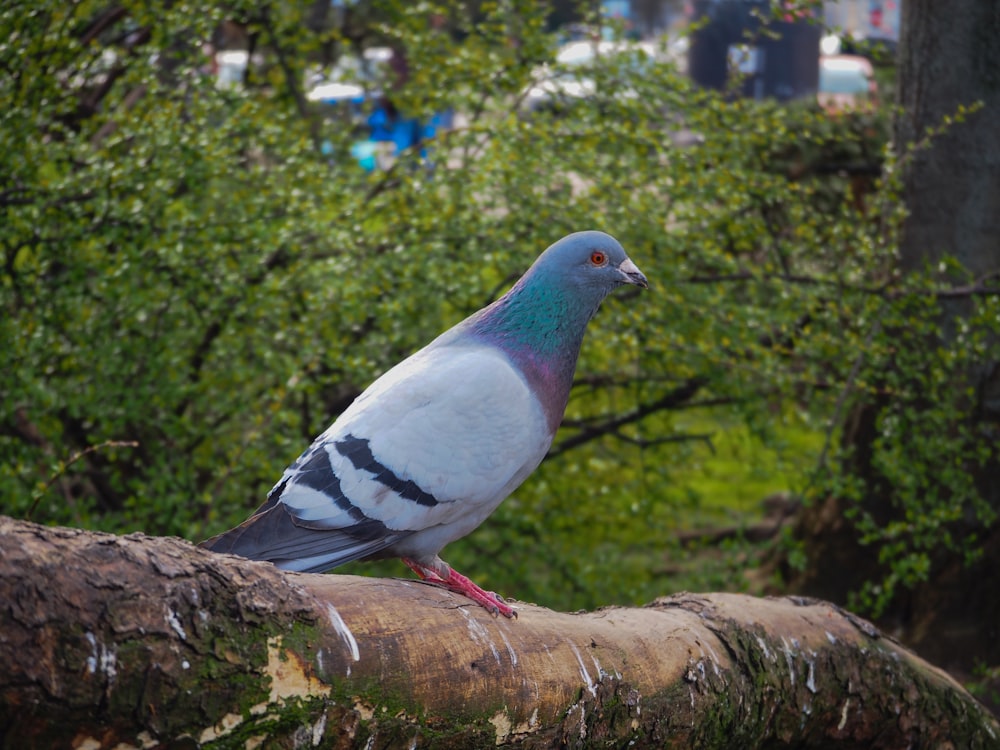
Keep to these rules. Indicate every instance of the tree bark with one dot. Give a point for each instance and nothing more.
(135, 641)
(948, 60)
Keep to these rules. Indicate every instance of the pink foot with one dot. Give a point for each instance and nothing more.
(455, 581)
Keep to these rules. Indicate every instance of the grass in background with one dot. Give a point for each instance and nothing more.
(729, 500)
(742, 468)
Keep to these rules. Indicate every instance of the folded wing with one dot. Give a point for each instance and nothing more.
(427, 452)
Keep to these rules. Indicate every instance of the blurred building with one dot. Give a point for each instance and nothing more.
(864, 19)
(732, 50)
(641, 19)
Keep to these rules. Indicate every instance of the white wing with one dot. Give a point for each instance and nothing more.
(458, 423)
(422, 457)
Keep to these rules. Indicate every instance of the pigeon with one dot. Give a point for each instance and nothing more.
(434, 445)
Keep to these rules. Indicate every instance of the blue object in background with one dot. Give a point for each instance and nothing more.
(365, 153)
(400, 131)
(380, 125)
(405, 133)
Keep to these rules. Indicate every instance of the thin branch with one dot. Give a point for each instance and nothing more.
(389, 179)
(276, 259)
(105, 20)
(40, 492)
(745, 276)
(130, 100)
(612, 424)
(705, 437)
(291, 79)
(976, 289)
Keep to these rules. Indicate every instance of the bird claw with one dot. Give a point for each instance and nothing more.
(452, 580)
(501, 607)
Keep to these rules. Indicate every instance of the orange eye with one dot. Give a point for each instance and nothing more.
(598, 258)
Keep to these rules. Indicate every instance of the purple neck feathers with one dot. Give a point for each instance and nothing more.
(540, 329)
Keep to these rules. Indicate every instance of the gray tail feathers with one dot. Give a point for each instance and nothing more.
(271, 534)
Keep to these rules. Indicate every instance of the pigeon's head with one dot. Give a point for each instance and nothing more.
(592, 262)
(548, 309)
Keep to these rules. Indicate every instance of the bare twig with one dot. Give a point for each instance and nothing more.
(976, 289)
(291, 78)
(40, 492)
(612, 424)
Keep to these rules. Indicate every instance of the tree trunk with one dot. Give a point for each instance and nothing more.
(951, 189)
(115, 642)
(948, 59)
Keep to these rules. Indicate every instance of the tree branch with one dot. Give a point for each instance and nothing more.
(142, 641)
(292, 76)
(976, 289)
(611, 424)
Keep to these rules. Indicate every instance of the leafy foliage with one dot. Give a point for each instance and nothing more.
(207, 273)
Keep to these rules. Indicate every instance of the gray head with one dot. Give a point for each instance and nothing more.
(549, 307)
(591, 263)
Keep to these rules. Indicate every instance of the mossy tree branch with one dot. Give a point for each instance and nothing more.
(152, 642)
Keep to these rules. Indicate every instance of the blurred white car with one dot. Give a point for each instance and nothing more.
(570, 78)
(846, 82)
(352, 79)
(230, 67)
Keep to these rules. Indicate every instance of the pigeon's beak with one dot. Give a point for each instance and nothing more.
(632, 274)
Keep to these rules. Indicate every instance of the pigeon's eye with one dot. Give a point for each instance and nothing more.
(597, 258)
